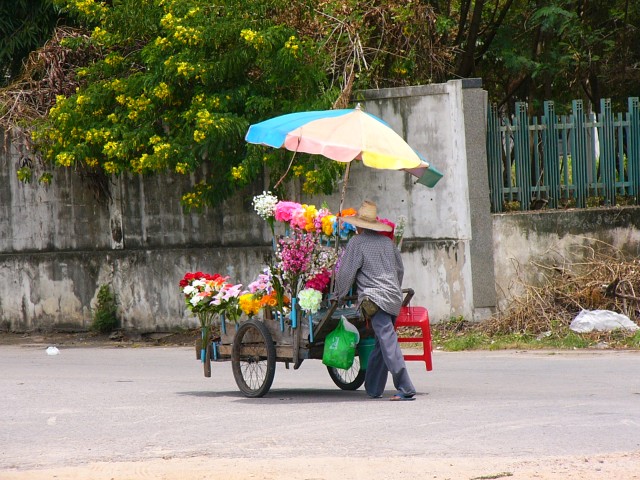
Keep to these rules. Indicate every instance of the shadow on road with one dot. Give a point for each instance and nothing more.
(291, 395)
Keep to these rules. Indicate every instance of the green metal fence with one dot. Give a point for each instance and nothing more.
(556, 161)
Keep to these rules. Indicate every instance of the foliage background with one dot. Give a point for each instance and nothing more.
(152, 86)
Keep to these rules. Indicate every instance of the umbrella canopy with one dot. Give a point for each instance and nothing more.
(342, 135)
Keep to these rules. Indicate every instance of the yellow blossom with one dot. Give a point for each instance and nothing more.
(113, 59)
(249, 304)
(98, 33)
(181, 168)
(199, 136)
(327, 224)
(64, 159)
(237, 172)
(110, 167)
(161, 91)
(110, 149)
(297, 170)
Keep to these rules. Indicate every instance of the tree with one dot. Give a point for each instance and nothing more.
(175, 85)
(24, 26)
(565, 49)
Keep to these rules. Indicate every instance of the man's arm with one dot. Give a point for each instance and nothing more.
(399, 267)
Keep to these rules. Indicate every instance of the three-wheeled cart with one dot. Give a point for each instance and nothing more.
(255, 345)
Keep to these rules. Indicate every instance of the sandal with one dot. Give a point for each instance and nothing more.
(399, 397)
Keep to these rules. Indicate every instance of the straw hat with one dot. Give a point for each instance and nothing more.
(367, 218)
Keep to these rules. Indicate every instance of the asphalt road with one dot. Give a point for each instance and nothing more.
(134, 404)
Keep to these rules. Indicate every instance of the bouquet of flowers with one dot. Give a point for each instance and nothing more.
(305, 257)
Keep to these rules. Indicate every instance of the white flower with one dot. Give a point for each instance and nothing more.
(310, 299)
(189, 290)
(265, 205)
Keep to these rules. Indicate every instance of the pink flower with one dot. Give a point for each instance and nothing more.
(387, 222)
(296, 254)
(284, 210)
(320, 282)
(298, 218)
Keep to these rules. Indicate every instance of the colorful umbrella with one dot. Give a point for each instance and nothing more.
(343, 135)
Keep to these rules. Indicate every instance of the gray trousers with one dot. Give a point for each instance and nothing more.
(386, 357)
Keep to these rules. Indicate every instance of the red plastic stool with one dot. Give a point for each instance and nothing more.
(416, 317)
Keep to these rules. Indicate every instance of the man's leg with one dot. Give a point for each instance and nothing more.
(389, 348)
(375, 378)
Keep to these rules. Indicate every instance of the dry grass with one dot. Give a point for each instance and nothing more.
(590, 277)
(49, 71)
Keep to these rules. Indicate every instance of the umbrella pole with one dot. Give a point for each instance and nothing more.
(345, 181)
(339, 221)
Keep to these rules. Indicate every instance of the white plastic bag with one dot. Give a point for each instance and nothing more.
(52, 351)
(350, 327)
(601, 321)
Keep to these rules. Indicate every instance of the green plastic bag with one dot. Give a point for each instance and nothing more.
(340, 345)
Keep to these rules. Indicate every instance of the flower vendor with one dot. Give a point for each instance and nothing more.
(375, 264)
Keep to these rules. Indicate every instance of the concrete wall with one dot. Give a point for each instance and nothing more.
(58, 245)
(547, 236)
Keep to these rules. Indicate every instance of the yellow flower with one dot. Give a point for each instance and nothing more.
(310, 214)
(181, 168)
(64, 159)
(184, 68)
(167, 21)
(199, 136)
(292, 46)
(249, 304)
(110, 167)
(161, 91)
(297, 170)
(110, 149)
(248, 35)
(98, 33)
(237, 172)
(327, 224)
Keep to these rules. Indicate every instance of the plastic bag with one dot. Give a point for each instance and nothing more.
(601, 321)
(340, 345)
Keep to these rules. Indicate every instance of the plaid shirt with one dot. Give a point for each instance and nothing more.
(374, 263)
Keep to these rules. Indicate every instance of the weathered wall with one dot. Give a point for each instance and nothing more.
(542, 237)
(58, 244)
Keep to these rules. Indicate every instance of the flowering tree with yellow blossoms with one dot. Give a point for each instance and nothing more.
(176, 85)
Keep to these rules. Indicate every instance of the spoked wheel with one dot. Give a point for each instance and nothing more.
(253, 359)
(349, 379)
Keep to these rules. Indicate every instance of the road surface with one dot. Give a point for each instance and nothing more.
(137, 413)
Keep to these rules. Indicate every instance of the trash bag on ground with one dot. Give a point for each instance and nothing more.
(601, 321)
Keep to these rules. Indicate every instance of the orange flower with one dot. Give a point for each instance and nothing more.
(348, 212)
(269, 300)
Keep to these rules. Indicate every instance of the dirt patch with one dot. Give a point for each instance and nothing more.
(118, 338)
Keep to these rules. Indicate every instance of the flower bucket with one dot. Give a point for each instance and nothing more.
(365, 347)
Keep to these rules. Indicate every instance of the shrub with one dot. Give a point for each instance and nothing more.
(105, 318)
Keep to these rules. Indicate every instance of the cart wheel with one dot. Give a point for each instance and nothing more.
(349, 379)
(253, 358)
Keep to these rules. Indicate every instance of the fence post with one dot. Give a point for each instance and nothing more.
(608, 152)
(633, 147)
(551, 156)
(522, 155)
(494, 150)
(579, 154)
